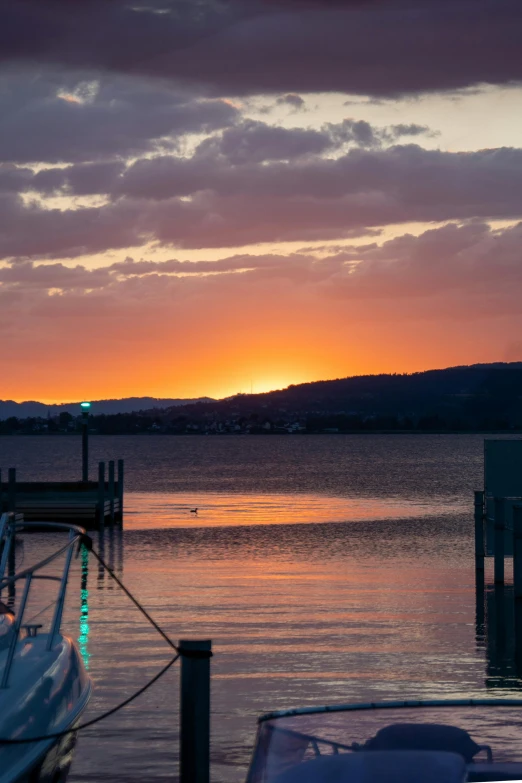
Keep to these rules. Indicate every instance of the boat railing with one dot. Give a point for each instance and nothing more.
(9, 526)
(314, 742)
(372, 706)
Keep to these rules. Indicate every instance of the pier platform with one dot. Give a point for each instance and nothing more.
(91, 504)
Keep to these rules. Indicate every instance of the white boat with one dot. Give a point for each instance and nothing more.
(447, 741)
(44, 687)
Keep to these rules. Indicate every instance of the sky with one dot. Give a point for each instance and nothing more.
(205, 197)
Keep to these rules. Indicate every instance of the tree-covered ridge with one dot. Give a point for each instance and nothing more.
(480, 397)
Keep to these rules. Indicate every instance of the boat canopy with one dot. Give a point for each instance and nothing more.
(465, 740)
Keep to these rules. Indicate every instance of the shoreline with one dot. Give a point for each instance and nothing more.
(93, 433)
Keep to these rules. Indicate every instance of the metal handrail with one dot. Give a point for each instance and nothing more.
(390, 705)
(60, 526)
(16, 632)
(76, 534)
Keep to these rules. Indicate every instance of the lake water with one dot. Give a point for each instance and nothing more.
(323, 568)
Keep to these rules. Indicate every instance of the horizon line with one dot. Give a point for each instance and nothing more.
(255, 394)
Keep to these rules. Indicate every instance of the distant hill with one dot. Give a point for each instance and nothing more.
(476, 395)
(28, 409)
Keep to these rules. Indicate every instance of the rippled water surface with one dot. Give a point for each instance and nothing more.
(324, 569)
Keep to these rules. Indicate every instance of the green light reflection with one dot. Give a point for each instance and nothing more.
(83, 638)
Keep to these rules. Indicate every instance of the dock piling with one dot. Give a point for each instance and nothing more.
(499, 540)
(195, 711)
(11, 489)
(85, 445)
(101, 493)
(518, 636)
(111, 490)
(120, 489)
(517, 551)
(479, 531)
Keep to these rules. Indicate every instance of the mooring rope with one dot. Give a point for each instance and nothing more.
(86, 541)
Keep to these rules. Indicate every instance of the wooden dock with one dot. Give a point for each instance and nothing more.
(91, 504)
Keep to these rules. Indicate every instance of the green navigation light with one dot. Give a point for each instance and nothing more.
(85, 404)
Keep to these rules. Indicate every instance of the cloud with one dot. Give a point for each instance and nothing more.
(254, 142)
(31, 231)
(381, 48)
(124, 125)
(82, 179)
(207, 201)
(453, 258)
(247, 142)
(362, 134)
(54, 117)
(471, 259)
(29, 276)
(292, 100)
(448, 296)
(411, 129)
(462, 184)
(14, 179)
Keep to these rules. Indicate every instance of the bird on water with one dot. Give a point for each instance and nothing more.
(193, 511)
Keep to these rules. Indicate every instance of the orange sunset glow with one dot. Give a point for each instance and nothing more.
(260, 390)
(175, 230)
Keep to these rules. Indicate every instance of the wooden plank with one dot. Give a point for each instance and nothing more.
(78, 506)
(58, 509)
(52, 486)
(57, 496)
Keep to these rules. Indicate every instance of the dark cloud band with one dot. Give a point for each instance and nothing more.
(380, 48)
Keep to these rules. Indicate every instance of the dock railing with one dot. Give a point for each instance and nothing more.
(8, 527)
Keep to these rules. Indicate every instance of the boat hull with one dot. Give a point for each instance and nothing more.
(55, 765)
(46, 694)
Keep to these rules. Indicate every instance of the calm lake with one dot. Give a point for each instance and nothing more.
(323, 568)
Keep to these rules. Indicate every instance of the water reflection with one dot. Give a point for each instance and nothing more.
(83, 638)
(498, 627)
(379, 602)
(110, 549)
(152, 510)
(299, 614)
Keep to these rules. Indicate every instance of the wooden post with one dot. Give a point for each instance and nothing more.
(518, 637)
(479, 531)
(101, 550)
(517, 551)
(85, 446)
(195, 711)
(120, 488)
(499, 540)
(480, 614)
(11, 490)
(11, 565)
(498, 628)
(111, 489)
(101, 494)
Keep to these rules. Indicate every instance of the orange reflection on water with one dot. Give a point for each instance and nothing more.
(146, 510)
